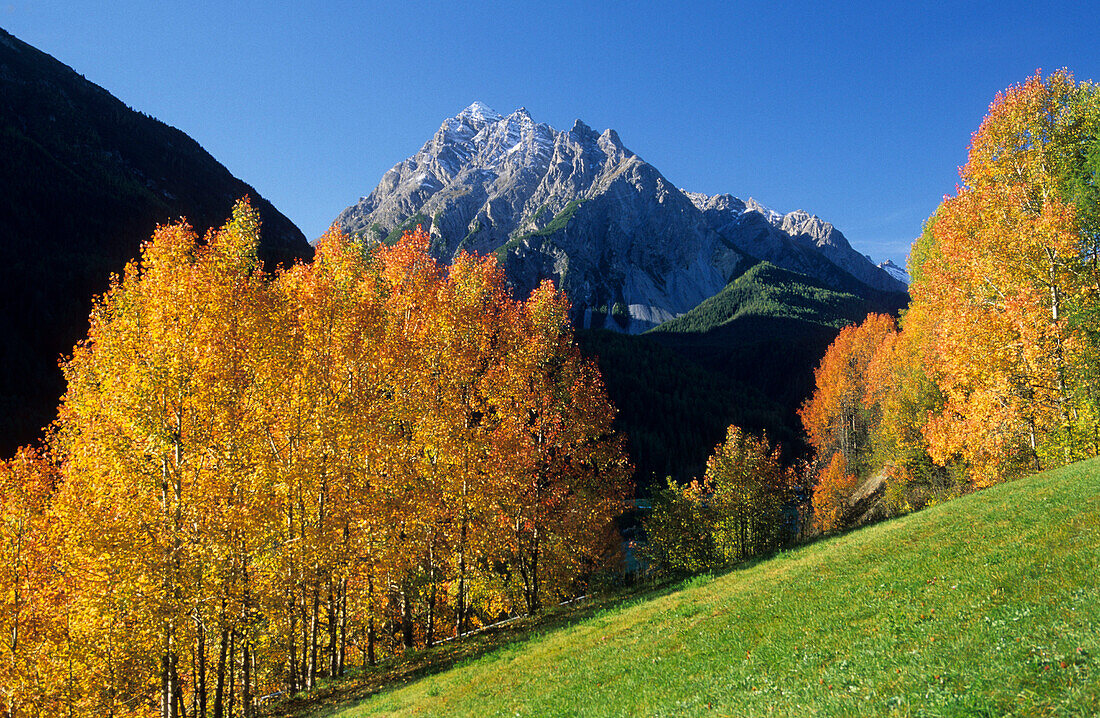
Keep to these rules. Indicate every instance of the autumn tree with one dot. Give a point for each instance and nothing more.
(326, 441)
(32, 594)
(680, 530)
(158, 494)
(258, 471)
(735, 512)
(837, 417)
(835, 484)
(1012, 287)
(904, 392)
(749, 490)
(994, 371)
(566, 474)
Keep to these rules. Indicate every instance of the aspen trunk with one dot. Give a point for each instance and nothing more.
(232, 672)
(15, 605)
(179, 697)
(168, 685)
(332, 611)
(169, 490)
(219, 686)
(304, 672)
(312, 678)
(460, 600)
(292, 610)
(534, 601)
(321, 495)
(246, 679)
(429, 637)
(370, 619)
(406, 620)
(200, 669)
(293, 648)
(343, 626)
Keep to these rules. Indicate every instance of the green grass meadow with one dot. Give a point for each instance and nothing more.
(988, 605)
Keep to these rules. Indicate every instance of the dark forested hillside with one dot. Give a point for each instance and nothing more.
(745, 356)
(767, 330)
(674, 411)
(83, 181)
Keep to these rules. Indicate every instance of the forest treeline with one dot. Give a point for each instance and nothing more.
(257, 479)
(994, 369)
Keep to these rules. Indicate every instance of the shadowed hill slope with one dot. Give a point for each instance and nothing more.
(769, 328)
(84, 180)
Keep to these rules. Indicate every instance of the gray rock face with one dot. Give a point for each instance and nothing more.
(629, 249)
(798, 241)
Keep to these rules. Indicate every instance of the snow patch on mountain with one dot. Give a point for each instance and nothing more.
(896, 272)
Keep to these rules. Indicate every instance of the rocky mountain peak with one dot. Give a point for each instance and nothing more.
(610, 138)
(629, 249)
(895, 271)
(801, 216)
(773, 217)
(479, 114)
(583, 132)
(721, 202)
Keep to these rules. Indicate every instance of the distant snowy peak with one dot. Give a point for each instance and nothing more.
(896, 272)
(796, 240)
(774, 218)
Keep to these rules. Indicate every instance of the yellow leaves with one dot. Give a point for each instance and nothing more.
(30, 592)
(992, 365)
(998, 290)
(844, 407)
(232, 442)
(1021, 140)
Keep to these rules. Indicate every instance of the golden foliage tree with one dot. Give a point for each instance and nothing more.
(838, 417)
(835, 485)
(996, 368)
(259, 473)
(32, 594)
(1009, 290)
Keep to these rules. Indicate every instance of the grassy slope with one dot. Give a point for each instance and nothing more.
(984, 606)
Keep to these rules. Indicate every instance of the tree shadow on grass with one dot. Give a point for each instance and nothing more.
(398, 671)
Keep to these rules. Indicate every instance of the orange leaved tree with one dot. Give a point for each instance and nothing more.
(33, 642)
(835, 485)
(1013, 297)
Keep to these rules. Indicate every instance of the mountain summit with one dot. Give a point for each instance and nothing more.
(628, 247)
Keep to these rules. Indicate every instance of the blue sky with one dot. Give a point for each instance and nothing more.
(859, 112)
